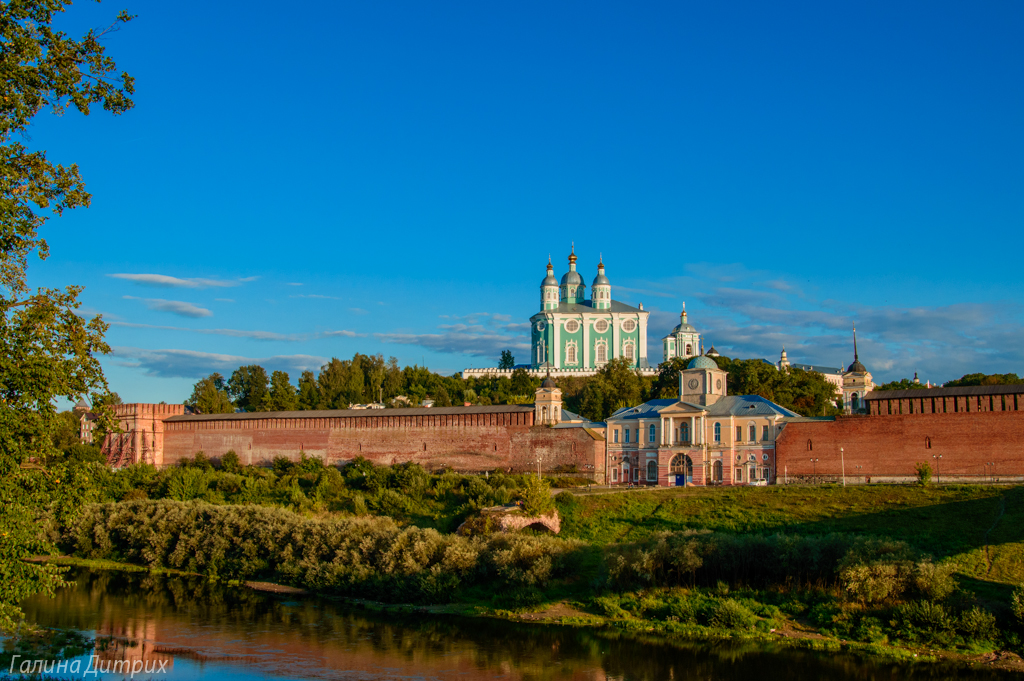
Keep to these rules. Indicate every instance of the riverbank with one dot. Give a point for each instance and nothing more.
(791, 634)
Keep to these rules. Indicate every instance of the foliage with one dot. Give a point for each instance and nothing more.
(902, 384)
(282, 395)
(248, 388)
(536, 496)
(47, 350)
(507, 361)
(924, 473)
(210, 396)
(984, 379)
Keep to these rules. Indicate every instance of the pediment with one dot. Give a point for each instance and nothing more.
(682, 408)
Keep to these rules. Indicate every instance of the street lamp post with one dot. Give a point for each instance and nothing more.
(815, 462)
(938, 475)
(842, 459)
(539, 459)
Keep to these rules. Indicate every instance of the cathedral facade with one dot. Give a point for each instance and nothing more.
(574, 334)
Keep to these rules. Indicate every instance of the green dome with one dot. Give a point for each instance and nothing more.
(702, 362)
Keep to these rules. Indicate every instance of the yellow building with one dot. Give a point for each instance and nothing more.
(705, 437)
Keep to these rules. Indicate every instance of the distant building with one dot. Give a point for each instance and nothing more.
(833, 375)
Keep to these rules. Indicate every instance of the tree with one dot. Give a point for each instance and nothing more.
(282, 395)
(507, 361)
(902, 384)
(394, 381)
(309, 391)
(248, 387)
(47, 350)
(522, 383)
(210, 396)
(985, 379)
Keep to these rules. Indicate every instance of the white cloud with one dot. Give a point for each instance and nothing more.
(252, 335)
(178, 307)
(165, 281)
(193, 364)
(314, 295)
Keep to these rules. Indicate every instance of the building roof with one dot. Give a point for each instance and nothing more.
(730, 405)
(572, 277)
(1013, 389)
(746, 405)
(355, 413)
(548, 383)
(857, 368)
(587, 306)
(817, 368)
(702, 362)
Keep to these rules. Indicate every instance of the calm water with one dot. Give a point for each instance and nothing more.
(212, 632)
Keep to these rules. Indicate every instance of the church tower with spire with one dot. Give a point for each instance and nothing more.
(601, 289)
(549, 289)
(856, 383)
(573, 290)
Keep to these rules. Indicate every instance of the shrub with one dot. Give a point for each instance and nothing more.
(924, 474)
(565, 499)
(731, 614)
(1017, 604)
(536, 496)
(229, 463)
(934, 582)
(923, 621)
(977, 625)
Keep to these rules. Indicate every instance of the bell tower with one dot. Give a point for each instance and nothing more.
(547, 404)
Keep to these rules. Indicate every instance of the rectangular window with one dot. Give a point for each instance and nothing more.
(753, 433)
(650, 433)
(615, 436)
(739, 433)
(626, 431)
(739, 475)
(764, 432)
(615, 475)
(636, 475)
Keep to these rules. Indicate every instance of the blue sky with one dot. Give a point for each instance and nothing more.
(389, 177)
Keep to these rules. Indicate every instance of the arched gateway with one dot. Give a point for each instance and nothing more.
(682, 468)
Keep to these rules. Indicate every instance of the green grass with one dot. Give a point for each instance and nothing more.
(947, 522)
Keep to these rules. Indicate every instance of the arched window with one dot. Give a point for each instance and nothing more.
(544, 413)
(684, 432)
(855, 401)
(627, 351)
(570, 353)
(716, 471)
(650, 433)
(927, 443)
(681, 464)
(556, 414)
(602, 353)
(689, 349)
(753, 432)
(718, 433)
(652, 471)
(810, 446)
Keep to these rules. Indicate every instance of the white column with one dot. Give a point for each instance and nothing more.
(663, 432)
(642, 350)
(586, 343)
(615, 337)
(557, 350)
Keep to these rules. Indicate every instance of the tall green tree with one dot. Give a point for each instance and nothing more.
(248, 387)
(309, 391)
(47, 350)
(507, 361)
(282, 395)
(210, 396)
(985, 379)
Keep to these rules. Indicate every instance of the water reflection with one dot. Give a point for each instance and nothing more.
(216, 632)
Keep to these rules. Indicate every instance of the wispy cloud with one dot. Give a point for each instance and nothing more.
(165, 281)
(252, 335)
(480, 334)
(178, 307)
(646, 292)
(193, 364)
(294, 283)
(357, 310)
(224, 300)
(314, 295)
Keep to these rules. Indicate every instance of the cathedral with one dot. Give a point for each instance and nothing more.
(576, 335)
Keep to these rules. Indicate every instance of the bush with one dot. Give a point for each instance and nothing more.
(536, 496)
(229, 463)
(565, 499)
(977, 626)
(1017, 605)
(923, 621)
(924, 474)
(731, 614)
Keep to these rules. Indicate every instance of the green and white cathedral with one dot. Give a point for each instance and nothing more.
(574, 335)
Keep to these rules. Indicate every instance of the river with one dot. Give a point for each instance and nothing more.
(201, 630)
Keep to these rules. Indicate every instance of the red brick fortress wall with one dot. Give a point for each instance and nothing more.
(974, 446)
(462, 438)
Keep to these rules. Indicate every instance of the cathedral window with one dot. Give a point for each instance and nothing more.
(601, 326)
(570, 353)
(627, 351)
(602, 353)
(689, 349)
(629, 326)
(572, 326)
